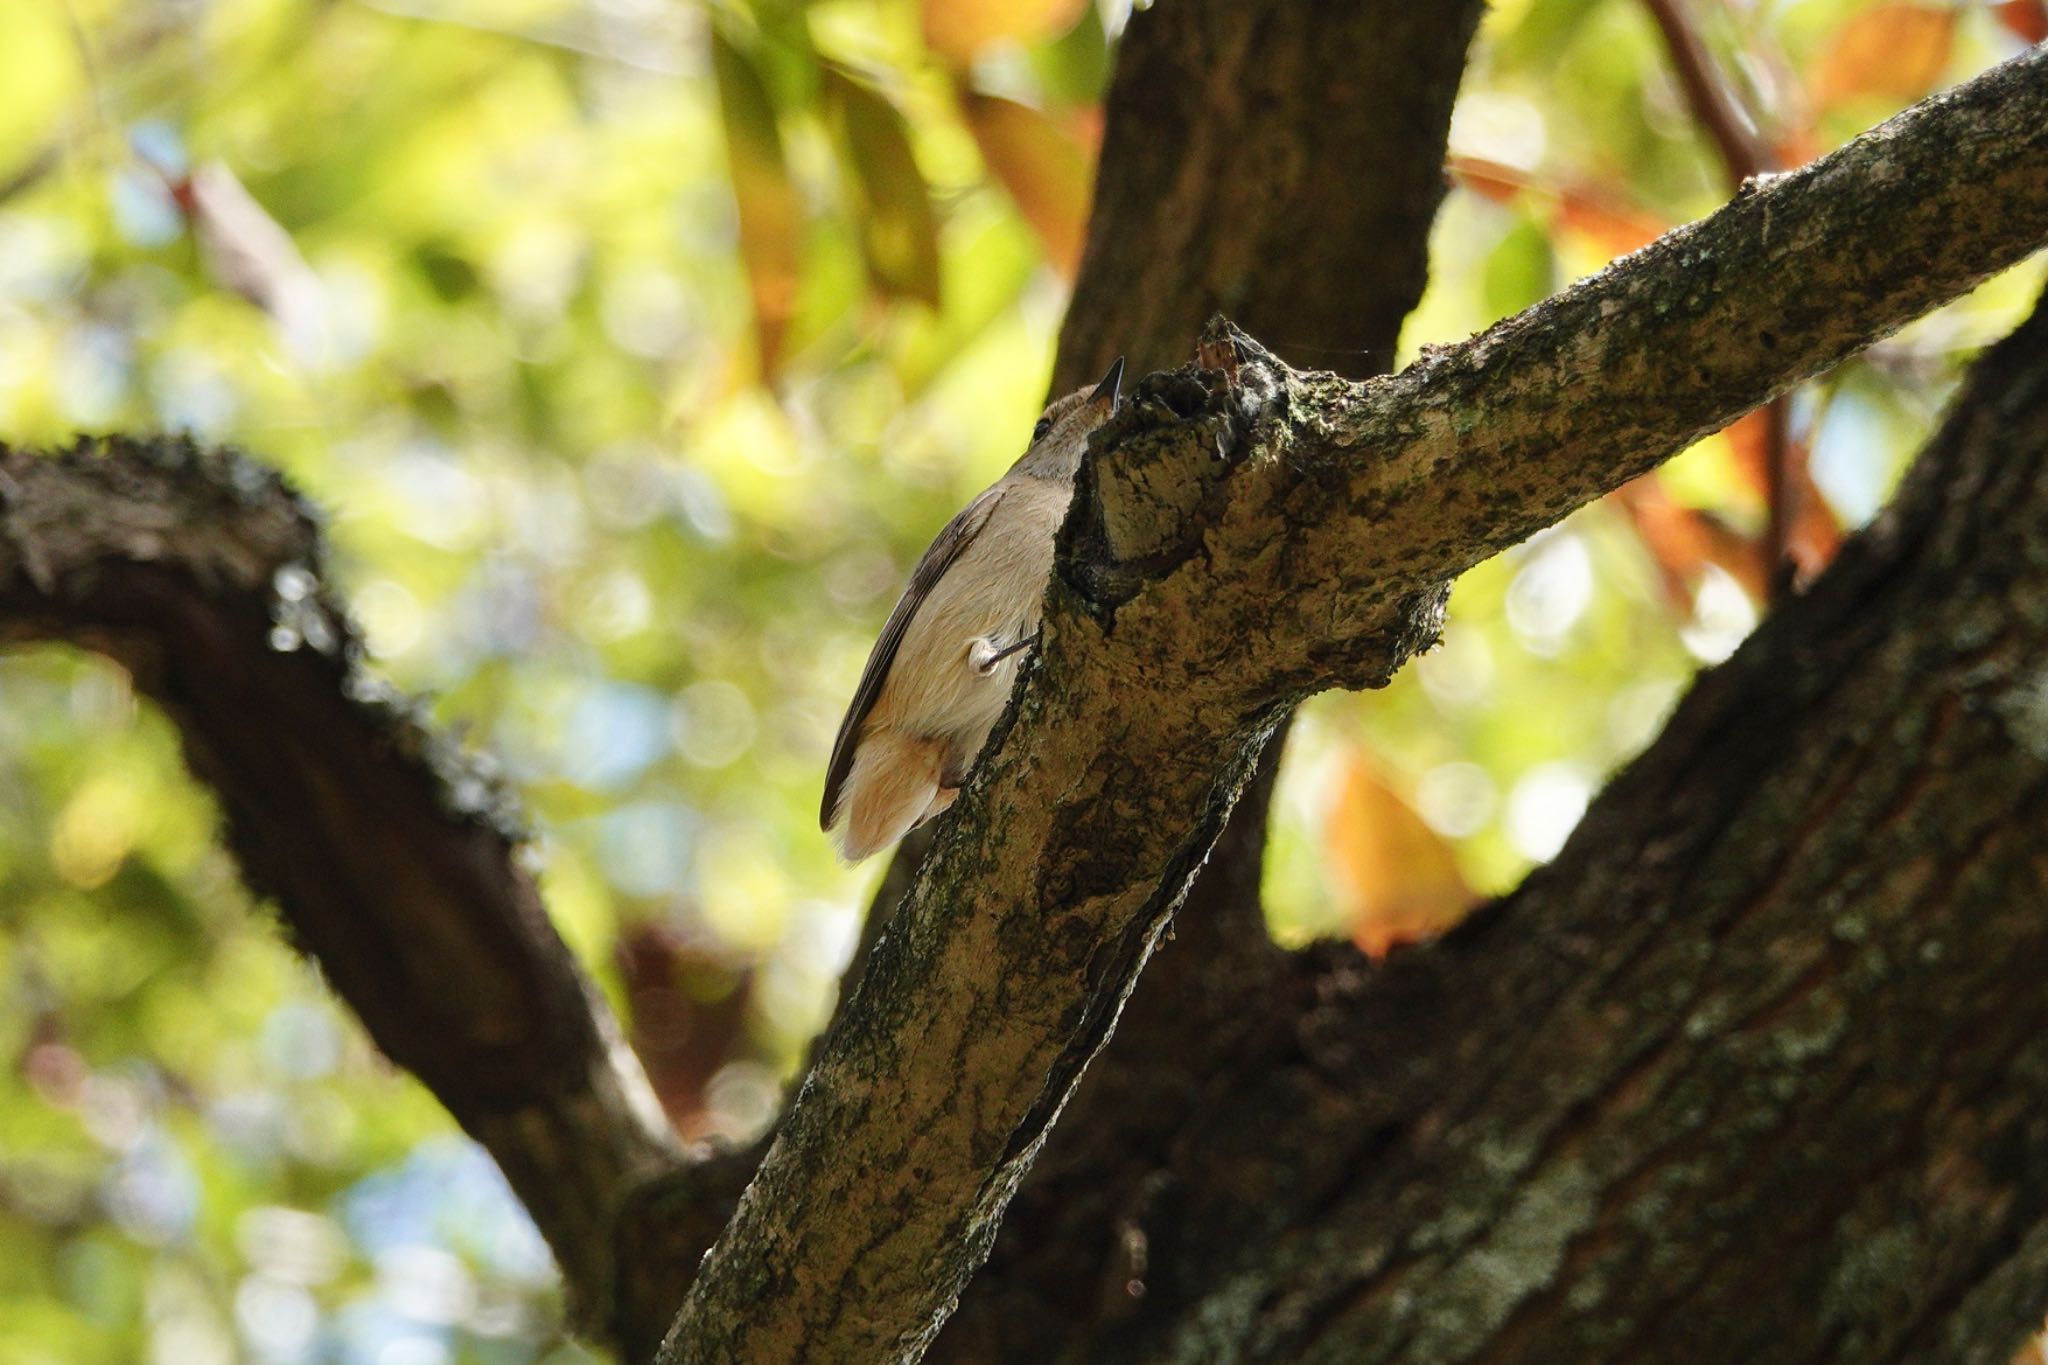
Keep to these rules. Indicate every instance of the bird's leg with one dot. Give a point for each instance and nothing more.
(983, 656)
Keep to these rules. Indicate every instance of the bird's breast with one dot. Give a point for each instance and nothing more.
(994, 591)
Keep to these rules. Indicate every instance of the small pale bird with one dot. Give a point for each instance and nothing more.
(938, 679)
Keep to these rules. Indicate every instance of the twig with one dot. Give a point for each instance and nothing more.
(1744, 153)
(1713, 101)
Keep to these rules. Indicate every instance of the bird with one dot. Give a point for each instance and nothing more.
(939, 677)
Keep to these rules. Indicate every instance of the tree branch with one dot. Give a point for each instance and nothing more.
(1227, 553)
(393, 860)
(1480, 445)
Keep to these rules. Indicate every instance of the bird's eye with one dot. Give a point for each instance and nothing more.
(1038, 432)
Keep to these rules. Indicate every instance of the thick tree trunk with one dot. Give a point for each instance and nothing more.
(1753, 1071)
(1277, 161)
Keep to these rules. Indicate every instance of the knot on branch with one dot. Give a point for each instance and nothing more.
(1149, 485)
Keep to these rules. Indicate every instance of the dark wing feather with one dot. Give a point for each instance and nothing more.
(958, 535)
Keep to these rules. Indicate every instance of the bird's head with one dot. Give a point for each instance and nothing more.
(1062, 432)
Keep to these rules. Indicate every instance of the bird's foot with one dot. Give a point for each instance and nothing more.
(983, 655)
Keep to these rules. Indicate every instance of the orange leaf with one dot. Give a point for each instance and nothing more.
(1815, 534)
(1489, 179)
(958, 30)
(1796, 145)
(1891, 51)
(1048, 170)
(770, 214)
(2026, 19)
(1615, 228)
(1393, 874)
(1684, 541)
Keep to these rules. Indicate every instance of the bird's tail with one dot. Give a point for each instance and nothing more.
(892, 787)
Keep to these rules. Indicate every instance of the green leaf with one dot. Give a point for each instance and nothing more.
(898, 229)
(770, 214)
(1520, 271)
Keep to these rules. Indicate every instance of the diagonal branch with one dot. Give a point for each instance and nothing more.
(1227, 553)
(393, 863)
(1750, 1072)
(1479, 445)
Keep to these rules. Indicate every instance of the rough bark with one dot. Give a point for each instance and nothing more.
(1752, 1071)
(1248, 119)
(1350, 107)
(1229, 551)
(391, 857)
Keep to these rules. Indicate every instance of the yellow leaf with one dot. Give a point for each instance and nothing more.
(1048, 169)
(1393, 874)
(770, 214)
(95, 832)
(1893, 51)
(957, 30)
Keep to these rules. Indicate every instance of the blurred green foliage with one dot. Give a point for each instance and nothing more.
(636, 348)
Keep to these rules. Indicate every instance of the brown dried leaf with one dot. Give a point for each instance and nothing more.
(899, 232)
(687, 1005)
(1048, 168)
(770, 213)
(1893, 51)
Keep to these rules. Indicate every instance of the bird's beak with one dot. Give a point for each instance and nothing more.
(1106, 392)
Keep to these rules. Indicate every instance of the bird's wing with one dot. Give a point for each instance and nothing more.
(958, 535)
